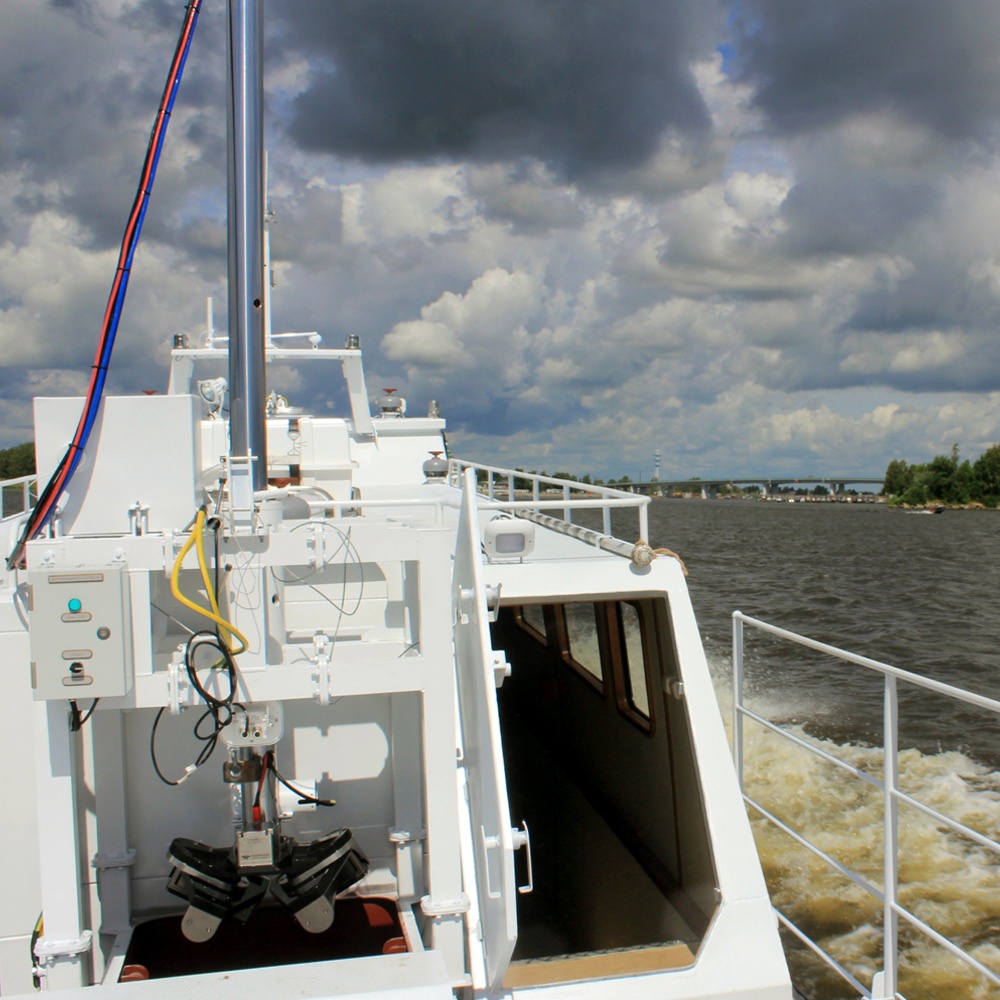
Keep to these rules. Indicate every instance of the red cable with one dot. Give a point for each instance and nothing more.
(58, 483)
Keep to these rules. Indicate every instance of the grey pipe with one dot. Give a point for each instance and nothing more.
(247, 387)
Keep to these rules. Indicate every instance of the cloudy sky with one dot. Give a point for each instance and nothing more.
(760, 236)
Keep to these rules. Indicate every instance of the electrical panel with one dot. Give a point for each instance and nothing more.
(81, 639)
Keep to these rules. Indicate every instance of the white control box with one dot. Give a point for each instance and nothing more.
(81, 638)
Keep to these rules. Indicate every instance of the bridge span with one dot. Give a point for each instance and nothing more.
(709, 488)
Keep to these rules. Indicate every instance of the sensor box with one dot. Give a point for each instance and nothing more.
(81, 639)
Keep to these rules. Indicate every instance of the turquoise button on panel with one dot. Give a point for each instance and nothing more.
(75, 604)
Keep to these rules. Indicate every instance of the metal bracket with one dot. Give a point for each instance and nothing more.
(241, 505)
(324, 648)
(501, 668)
(138, 518)
(445, 907)
(177, 684)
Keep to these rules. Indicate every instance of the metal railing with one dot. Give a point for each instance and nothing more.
(885, 985)
(548, 494)
(17, 495)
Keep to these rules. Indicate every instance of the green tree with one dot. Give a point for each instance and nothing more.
(898, 478)
(915, 495)
(17, 461)
(945, 480)
(986, 477)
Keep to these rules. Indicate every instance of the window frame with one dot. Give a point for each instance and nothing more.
(621, 662)
(615, 681)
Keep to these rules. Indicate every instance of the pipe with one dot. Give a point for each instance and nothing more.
(247, 387)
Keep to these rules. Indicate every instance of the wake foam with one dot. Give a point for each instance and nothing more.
(946, 879)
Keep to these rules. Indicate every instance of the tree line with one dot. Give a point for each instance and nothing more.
(944, 479)
(17, 461)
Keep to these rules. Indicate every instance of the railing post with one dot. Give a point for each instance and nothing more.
(607, 520)
(489, 479)
(535, 491)
(738, 696)
(510, 487)
(890, 932)
(567, 512)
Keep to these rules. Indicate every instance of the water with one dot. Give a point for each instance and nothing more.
(922, 593)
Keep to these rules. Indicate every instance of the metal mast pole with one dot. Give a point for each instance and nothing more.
(247, 388)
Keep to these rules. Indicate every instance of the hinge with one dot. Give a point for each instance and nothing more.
(45, 948)
(446, 907)
(103, 862)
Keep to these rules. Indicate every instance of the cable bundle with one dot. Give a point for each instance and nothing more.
(116, 300)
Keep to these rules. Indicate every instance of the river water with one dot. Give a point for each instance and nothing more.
(918, 591)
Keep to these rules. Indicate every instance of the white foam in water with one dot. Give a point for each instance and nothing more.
(946, 880)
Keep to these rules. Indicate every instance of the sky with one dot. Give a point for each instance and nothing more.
(757, 237)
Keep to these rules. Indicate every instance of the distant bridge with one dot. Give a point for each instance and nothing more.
(709, 488)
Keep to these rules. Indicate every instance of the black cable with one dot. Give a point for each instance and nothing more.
(218, 710)
(152, 750)
(304, 798)
(77, 721)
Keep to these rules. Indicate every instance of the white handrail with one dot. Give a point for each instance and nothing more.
(887, 982)
(575, 496)
(26, 483)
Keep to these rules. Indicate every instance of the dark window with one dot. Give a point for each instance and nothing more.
(633, 646)
(581, 642)
(531, 617)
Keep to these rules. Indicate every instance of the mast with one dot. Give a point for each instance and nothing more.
(245, 128)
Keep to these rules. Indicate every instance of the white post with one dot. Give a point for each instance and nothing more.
(888, 981)
(63, 948)
(738, 696)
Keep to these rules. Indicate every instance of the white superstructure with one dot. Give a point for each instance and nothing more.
(512, 712)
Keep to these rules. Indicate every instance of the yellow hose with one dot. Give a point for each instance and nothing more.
(197, 538)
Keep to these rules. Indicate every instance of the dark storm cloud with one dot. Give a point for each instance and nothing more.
(581, 84)
(78, 95)
(816, 63)
(847, 211)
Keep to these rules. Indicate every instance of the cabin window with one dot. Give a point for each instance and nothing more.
(531, 617)
(581, 647)
(634, 696)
